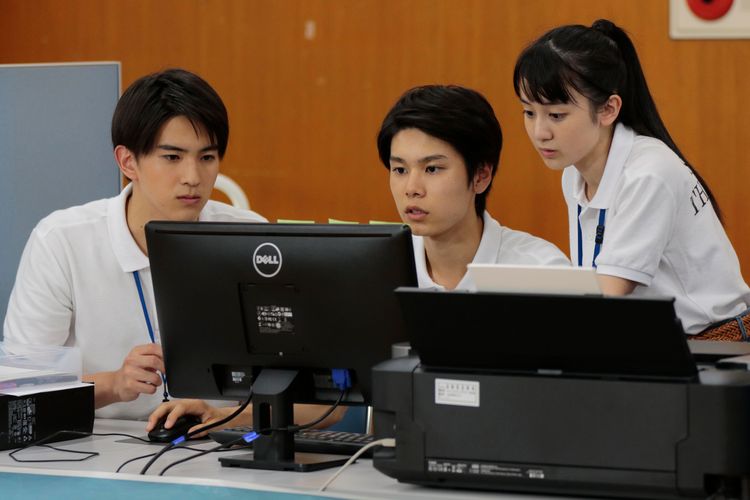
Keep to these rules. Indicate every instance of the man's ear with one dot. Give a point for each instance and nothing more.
(482, 178)
(610, 110)
(127, 162)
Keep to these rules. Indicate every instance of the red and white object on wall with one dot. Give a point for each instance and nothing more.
(698, 19)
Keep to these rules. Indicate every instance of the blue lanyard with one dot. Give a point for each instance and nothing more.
(597, 241)
(137, 278)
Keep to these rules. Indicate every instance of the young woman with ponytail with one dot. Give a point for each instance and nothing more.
(638, 211)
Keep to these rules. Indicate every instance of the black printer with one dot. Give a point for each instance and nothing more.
(574, 395)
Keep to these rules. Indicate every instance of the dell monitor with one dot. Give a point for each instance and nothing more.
(276, 308)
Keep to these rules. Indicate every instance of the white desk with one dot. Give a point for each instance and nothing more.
(360, 481)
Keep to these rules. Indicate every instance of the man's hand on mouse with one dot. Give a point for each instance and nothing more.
(207, 413)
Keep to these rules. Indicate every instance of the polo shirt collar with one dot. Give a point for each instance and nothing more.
(489, 248)
(489, 245)
(420, 261)
(619, 150)
(126, 250)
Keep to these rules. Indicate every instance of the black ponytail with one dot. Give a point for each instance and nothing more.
(596, 62)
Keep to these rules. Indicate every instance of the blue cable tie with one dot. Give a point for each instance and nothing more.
(250, 437)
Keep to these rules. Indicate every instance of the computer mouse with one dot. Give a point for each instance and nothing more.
(182, 425)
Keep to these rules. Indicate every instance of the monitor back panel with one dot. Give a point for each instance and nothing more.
(330, 305)
(551, 334)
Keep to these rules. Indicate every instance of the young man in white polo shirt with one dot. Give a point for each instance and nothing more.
(442, 146)
(84, 278)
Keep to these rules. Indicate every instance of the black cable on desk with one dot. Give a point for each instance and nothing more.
(253, 435)
(204, 428)
(89, 454)
(247, 438)
(41, 442)
(130, 460)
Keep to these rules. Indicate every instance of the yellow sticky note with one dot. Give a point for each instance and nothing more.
(384, 222)
(337, 221)
(294, 221)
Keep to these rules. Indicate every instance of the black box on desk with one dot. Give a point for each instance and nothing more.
(25, 419)
(576, 395)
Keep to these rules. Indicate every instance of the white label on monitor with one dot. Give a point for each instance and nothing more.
(456, 392)
(275, 319)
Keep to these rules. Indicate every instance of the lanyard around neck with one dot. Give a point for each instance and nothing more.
(137, 279)
(597, 241)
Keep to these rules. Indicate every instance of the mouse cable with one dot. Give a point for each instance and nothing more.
(203, 428)
(251, 436)
(387, 442)
(131, 460)
(42, 441)
(246, 439)
(222, 421)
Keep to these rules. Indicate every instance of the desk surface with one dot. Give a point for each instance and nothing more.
(200, 478)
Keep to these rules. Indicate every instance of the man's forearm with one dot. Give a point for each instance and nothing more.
(104, 393)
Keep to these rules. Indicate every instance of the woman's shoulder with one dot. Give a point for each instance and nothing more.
(653, 162)
(650, 156)
(654, 172)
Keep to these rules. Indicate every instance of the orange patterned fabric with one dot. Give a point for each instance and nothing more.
(729, 331)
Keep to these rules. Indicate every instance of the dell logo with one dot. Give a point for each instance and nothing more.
(267, 260)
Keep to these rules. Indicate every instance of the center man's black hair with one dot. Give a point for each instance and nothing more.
(460, 116)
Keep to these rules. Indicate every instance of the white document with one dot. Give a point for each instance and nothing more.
(513, 278)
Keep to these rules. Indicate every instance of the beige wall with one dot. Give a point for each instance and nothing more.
(305, 109)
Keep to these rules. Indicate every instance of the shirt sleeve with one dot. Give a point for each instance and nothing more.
(545, 253)
(638, 229)
(40, 309)
(524, 249)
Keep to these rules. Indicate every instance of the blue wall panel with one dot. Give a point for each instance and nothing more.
(55, 148)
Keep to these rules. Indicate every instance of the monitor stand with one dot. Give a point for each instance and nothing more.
(273, 407)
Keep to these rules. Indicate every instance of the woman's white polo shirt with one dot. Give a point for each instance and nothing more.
(660, 231)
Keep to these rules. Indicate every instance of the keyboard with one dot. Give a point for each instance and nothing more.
(309, 440)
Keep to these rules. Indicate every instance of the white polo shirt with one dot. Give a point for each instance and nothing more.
(660, 231)
(75, 287)
(499, 245)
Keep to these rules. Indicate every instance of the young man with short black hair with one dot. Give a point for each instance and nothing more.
(84, 278)
(441, 144)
